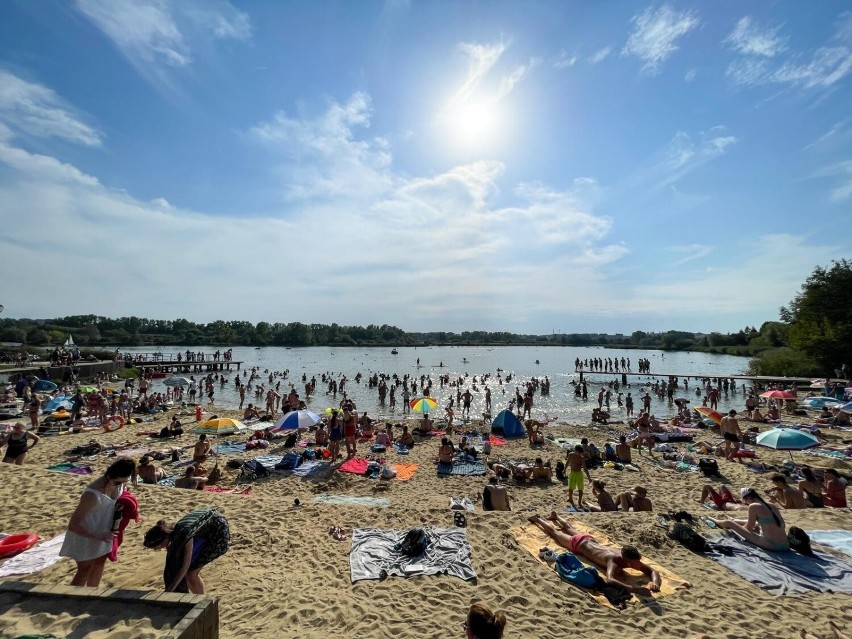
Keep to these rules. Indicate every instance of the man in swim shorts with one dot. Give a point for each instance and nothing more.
(729, 428)
(613, 561)
(576, 462)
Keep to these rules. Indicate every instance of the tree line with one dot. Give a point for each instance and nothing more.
(813, 336)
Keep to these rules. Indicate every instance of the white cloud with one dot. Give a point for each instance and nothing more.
(841, 173)
(35, 109)
(690, 75)
(750, 39)
(565, 61)
(656, 33)
(600, 55)
(508, 82)
(690, 252)
(481, 57)
(158, 35)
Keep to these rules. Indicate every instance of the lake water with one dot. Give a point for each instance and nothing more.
(520, 361)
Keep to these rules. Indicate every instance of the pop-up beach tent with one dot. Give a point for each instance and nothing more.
(507, 424)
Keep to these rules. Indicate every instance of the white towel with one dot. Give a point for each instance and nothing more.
(35, 559)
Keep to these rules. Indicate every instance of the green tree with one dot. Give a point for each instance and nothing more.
(820, 317)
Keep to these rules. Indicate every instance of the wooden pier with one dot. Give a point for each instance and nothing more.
(174, 366)
(756, 378)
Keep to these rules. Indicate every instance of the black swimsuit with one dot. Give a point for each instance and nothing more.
(16, 447)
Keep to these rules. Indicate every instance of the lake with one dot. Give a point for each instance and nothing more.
(557, 363)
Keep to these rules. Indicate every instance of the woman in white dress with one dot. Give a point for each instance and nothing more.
(93, 525)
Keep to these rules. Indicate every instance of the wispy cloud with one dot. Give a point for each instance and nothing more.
(750, 39)
(690, 75)
(508, 82)
(35, 109)
(839, 130)
(841, 174)
(600, 55)
(480, 57)
(565, 61)
(820, 68)
(655, 34)
(690, 252)
(156, 35)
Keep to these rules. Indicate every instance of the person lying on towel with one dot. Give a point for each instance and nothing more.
(614, 562)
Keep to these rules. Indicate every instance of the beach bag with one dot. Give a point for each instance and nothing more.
(414, 543)
(373, 470)
(688, 538)
(572, 570)
(708, 467)
(799, 541)
(289, 461)
(388, 472)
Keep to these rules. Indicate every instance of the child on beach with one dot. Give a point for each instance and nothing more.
(576, 462)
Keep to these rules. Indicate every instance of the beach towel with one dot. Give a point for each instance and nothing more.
(229, 448)
(826, 452)
(461, 503)
(566, 442)
(356, 466)
(404, 472)
(268, 461)
(532, 539)
(496, 441)
(838, 539)
(462, 468)
(129, 511)
(782, 573)
(373, 555)
(74, 469)
(35, 559)
(168, 481)
(348, 500)
(307, 468)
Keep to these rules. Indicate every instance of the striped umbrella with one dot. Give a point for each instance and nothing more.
(297, 419)
(423, 404)
(220, 426)
(714, 415)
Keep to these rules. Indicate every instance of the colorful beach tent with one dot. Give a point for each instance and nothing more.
(507, 424)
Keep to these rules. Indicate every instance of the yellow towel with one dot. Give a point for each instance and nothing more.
(532, 539)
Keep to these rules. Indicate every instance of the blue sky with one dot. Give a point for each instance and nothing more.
(521, 166)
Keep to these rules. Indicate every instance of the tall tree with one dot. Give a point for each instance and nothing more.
(820, 316)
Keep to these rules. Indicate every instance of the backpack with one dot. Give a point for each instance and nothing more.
(688, 538)
(253, 469)
(799, 541)
(414, 543)
(572, 570)
(374, 468)
(708, 467)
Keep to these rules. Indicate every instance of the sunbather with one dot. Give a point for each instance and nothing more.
(149, 472)
(446, 452)
(637, 500)
(764, 526)
(785, 495)
(540, 470)
(723, 499)
(495, 496)
(605, 501)
(406, 439)
(613, 561)
(834, 489)
(190, 480)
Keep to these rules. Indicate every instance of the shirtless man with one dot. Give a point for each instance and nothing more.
(190, 480)
(637, 500)
(466, 399)
(495, 496)
(425, 425)
(646, 437)
(149, 473)
(730, 431)
(540, 470)
(250, 413)
(614, 562)
(785, 495)
(202, 449)
(576, 462)
(622, 450)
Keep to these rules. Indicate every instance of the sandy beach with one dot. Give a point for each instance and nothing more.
(285, 575)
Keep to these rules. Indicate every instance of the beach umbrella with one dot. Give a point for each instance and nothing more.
(847, 407)
(220, 426)
(714, 415)
(821, 402)
(44, 386)
(297, 419)
(88, 389)
(423, 404)
(787, 439)
(176, 380)
(778, 394)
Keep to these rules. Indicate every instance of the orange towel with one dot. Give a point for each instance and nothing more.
(404, 472)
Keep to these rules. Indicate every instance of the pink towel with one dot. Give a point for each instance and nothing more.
(497, 441)
(356, 466)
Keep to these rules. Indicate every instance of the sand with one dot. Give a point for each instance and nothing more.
(285, 575)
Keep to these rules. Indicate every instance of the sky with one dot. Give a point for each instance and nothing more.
(533, 167)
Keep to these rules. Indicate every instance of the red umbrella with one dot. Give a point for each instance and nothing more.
(778, 394)
(705, 411)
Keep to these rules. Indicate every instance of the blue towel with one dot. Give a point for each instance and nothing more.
(462, 468)
(229, 448)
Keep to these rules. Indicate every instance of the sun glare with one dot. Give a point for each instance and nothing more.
(473, 124)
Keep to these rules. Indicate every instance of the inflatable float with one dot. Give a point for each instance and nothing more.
(16, 544)
(109, 425)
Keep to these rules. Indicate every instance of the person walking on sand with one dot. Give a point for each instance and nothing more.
(729, 428)
(576, 462)
(94, 523)
(613, 561)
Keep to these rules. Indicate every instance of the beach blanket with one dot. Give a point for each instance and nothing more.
(74, 469)
(404, 472)
(356, 466)
(348, 500)
(268, 461)
(497, 441)
(783, 573)
(462, 468)
(566, 442)
(229, 448)
(243, 491)
(35, 559)
(373, 555)
(838, 539)
(307, 468)
(826, 452)
(532, 539)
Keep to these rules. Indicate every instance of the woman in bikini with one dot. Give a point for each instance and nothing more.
(811, 488)
(764, 527)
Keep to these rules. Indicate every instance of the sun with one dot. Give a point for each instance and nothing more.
(473, 124)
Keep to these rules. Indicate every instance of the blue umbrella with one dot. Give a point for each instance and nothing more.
(821, 402)
(44, 386)
(847, 406)
(787, 439)
(296, 419)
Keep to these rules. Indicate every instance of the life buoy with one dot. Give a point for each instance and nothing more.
(15, 544)
(111, 420)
